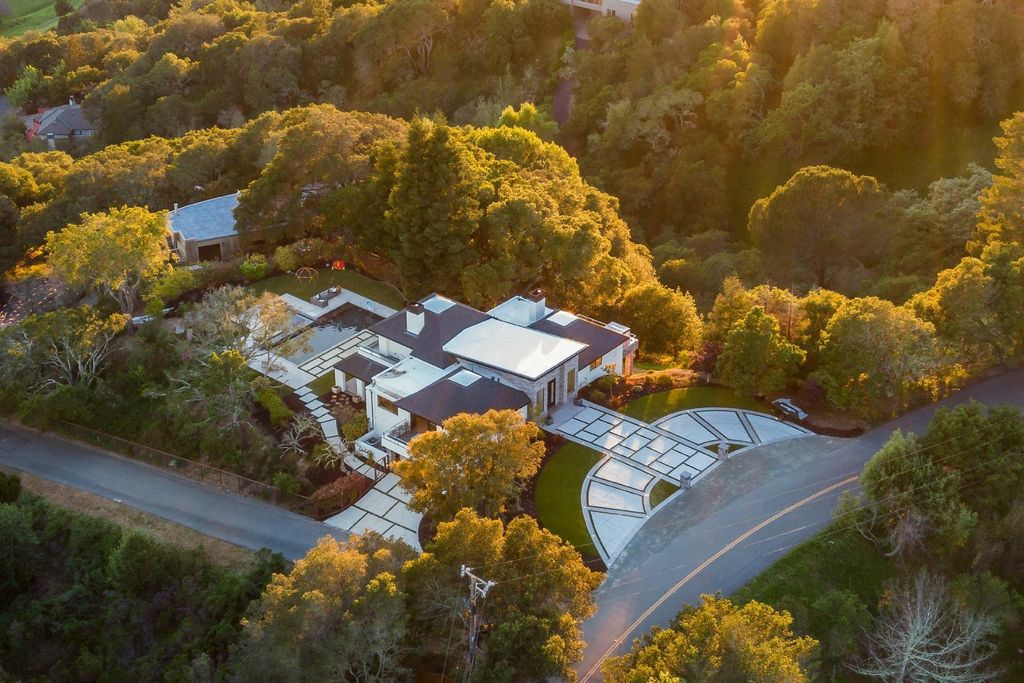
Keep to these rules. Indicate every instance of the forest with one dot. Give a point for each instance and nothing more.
(822, 199)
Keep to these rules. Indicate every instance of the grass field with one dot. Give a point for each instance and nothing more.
(557, 495)
(346, 279)
(653, 406)
(661, 491)
(30, 15)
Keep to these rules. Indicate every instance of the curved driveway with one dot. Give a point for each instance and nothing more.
(242, 521)
(742, 517)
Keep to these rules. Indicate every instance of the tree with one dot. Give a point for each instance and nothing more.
(434, 208)
(273, 330)
(821, 220)
(873, 354)
(731, 305)
(666, 320)
(719, 641)
(61, 348)
(223, 320)
(475, 461)
(913, 500)
(922, 635)
(1002, 204)
(217, 389)
(113, 252)
(530, 118)
(756, 358)
(338, 615)
(542, 595)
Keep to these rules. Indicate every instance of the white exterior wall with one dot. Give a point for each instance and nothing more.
(613, 358)
(623, 9)
(392, 348)
(382, 420)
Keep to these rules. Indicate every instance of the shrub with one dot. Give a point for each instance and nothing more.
(254, 267)
(286, 483)
(355, 428)
(598, 396)
(639, 388)
(664, 381)
(285, 258)
(10, 487)
(604, 383)
(177, 282)
(280, 413)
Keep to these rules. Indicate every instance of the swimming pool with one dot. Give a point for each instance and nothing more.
(345, 322)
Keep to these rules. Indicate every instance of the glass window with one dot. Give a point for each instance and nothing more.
(570, 382)
(387, 405)
(596, 364)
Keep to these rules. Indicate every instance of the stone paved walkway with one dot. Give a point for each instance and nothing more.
(384, 508)
(679, 448)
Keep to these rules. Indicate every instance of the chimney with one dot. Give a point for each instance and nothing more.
(414, 318)
(538, 305)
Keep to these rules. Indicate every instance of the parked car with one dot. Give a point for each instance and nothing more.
(790, 409)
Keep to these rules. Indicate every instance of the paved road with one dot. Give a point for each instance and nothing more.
(243, 521)
(740, 519)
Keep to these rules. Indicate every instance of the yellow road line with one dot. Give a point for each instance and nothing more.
(704, 565)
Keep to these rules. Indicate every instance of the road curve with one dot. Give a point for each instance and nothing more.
(243, 521)
(738, 520)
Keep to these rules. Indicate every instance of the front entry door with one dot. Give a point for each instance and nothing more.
(552, 393)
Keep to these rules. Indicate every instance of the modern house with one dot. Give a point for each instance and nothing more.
(438, 358)
(204, 231)
(59, 126)
(623, 9)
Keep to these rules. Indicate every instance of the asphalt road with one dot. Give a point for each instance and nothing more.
(738, 520)
(243, 521)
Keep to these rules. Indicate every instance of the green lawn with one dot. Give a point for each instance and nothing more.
(661, 491)
(557, 495)
(651, 407)
(346, 279)
(322, 385)
(30, 15)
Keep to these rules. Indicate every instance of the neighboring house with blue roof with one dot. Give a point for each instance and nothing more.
(205, 231)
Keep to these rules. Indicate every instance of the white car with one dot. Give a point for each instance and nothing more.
(790, 409)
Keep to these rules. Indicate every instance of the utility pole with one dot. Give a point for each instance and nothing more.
(478, 588)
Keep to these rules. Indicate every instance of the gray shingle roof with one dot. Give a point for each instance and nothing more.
(599, 340)
(361, 367)
(438, 330)
(206, 220)
(445, 398)
(63, 120)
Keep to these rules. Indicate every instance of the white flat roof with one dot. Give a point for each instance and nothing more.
(519, 350)
(518, 310)
(407, 377)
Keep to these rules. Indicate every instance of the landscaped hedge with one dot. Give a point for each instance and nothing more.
(280, 413)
